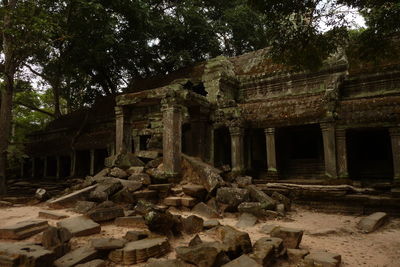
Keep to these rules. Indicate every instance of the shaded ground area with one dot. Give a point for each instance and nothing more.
(333, 232)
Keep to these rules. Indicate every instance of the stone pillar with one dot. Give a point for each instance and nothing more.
(270, 141)
(45, 167)
(119, 130)
(58, 170)
(73, 163)
(172, 138)
(33, 168)
(92, 159)
(328, 135)
(136, 141)
(199, 132)
(395, 140)
(237, 149)
(211, 154)
(341, 150)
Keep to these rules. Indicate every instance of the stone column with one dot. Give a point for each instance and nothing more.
(395, 140)
(270, 141)
(58, 170)
(33, 167)
(172, 138)
(341, 150)
(119, 130)
(45, 167)
(211, 154)
(237, 149)
(328, 135)
(73, 163)
(92, 158)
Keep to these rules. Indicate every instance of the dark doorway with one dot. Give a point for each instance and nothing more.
(51, 167)
(187, 139)
(300, 151)
(99, 156)
(222, 147)
(39, 168)
(65, 166)
(144, 140)
(82, 163)
(369, 154)
(258, 154)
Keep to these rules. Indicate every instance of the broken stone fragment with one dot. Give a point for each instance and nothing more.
(263, 255)
(160, 222)
(135, 170)
(192, 224)
(195, 241)
(130, 221)
(246, 220)
(372, 222)
(268, 228)
(205, 211)
(232, 196)
(16, 254)
(265, 242)
(235, 242)
(167, 263)
(147, 154)
(93, 263)
(41, 194)
(118, 173)
(80, 226)
(123, 161)
(56, 240)
(255, 208)
(323, 258)
(258, 195)
(211, 224)
(24, 229)
(69, 200)
(143, 178)
(203, 254)
(105, 214)
(136, 235)
(154, 163)
(105, 189)
(282, 199)
(140, 251)
(51, 215)
(291, 237)
(244, 181)
(108, 243)
(296, 255)
(196, 191)
(243, 261)
(84, 206)
(79, 255)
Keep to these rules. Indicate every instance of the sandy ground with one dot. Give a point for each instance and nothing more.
(332, 232)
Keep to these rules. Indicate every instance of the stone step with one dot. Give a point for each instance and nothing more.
(80, 226)
(51, 215)
(22, 230)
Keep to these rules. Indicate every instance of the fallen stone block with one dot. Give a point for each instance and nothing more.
(93, 263)
(108, 243)
(84, 206)
(246, 220)
(244, 181)
(41, 194)
(52, 215)
(204, 254)
(5, 204)
(192, 224)
(70, 199)
(147, 154)
(123, 161)
(135, 170)
(205, 211)
(130, 221)
(24, 229)
(291, 237)
(172, 201)
(143, 178)
(196, 191)
(106, 214)
(296, 255)
(235, 242)
(118, 173)
(160, 222)
(323, 258)
(211, 224)
(243, 261)
(282, 199)
(265, 242)
(167, 263)
(268, 228)
(22, 254)
(259, 196)
(195, 241)
(146, 194)
(140, 251)
(372, 222)
(255, 208)
(263, 255)
(154, 163)
(80, 226)
(77, 256)
(57, 240)
(105, 189)
(232, 196)
(188, 202)
(136, 235)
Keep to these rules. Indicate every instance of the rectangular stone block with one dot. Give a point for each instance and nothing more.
(77, 256)
(22, 254)
(22, 230)
(130, 221)
(80, 226)
(52, 215)
(106, 214)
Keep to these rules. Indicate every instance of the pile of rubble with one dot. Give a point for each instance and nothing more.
(133, 191)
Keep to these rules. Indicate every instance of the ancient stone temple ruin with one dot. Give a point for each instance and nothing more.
(265, 119)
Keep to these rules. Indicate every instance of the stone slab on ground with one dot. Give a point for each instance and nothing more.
(372, 222)
(108, 243)
(93, 263)
(140, 251)
(70, 199)
(167, 263)
(192, 224)
(268, 228)
(291, 237)
(77, 256)
(296, 255)
(242, 261)
(264, 242)
(24, 229)
(246, 220)
(80, 226)
(323, 258)
(13, 254)
(188, 202)
(52, 215)
(203, 210)
(203, 254)
(136, 235)
(196, 191)
(130, 221)
(84, 206)
(106, 214)
(211, 224)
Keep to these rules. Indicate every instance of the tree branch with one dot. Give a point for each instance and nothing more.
(35, 72)
(34, 108)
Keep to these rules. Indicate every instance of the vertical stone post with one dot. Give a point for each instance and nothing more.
(92, 159)
(33, 168)
(395, 140)
(328, 136)
(119, 130)
(172, 138)
(58, 170)
(270, 141)
(45, 167)
(237, 149)
(73, 163)
(341, 150)
(211, 154)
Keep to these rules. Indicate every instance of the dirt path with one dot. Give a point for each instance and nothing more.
(333, 232)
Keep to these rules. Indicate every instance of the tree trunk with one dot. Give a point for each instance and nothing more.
(7, 93)
(56, 94)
